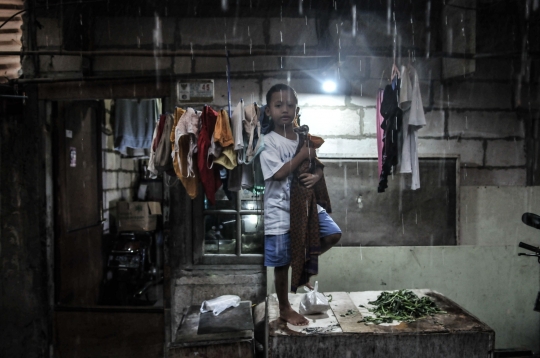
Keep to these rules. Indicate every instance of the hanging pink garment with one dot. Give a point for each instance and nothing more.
(380, 133)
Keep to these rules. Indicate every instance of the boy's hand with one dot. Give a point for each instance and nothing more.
(308, 179)
(306, 152)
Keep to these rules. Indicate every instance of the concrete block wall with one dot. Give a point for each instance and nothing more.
(120, 175)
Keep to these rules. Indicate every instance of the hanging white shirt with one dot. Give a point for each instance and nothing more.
(410, 101)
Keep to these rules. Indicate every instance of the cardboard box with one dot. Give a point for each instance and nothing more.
(137, 215)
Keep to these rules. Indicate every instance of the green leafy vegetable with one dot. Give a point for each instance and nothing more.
(402, 305)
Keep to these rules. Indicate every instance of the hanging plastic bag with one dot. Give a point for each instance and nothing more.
(313, 301)
(220, 304)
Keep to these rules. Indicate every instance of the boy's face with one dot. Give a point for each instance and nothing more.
(282, 108)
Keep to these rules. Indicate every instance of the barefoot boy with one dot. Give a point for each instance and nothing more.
(278, 162)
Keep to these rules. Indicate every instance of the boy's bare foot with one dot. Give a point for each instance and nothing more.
(309, 285)
(293, 317)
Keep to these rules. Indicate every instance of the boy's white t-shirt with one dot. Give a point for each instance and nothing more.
(278, 150)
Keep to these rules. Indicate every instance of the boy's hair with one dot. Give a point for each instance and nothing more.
(277, 88)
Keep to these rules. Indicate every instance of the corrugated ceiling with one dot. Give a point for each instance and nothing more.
(10, 38)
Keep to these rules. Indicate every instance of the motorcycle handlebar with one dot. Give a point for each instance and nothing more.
(529, 247)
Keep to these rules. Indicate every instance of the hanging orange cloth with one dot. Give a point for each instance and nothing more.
(180, 159)
(223, 135)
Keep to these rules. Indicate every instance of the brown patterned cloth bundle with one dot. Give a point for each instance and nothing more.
(305, 241)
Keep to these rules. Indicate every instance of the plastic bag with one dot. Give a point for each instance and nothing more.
(313, 301)
(220, 304)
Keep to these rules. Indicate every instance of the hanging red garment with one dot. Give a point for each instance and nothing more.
(210, 178)
(159, 133)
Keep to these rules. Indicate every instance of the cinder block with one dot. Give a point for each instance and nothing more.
(130, 32)
(128, 194)
(457, 67)
(529, 97)
(112, 161)
(485, 124)
(364, 92)
(131, 63)
(299, 63)
(253, 64)
(495, 69)
(427, 68)
(111, 197)
(373, 30)
(361, 148)
(50, 35)
(369, 119)
(110, 180)
(354, 67)
(307, 87)
(293, 32)
(109, 142)
(434, 125)
(470, 151)
(457, 95)
(493, 177)
(460, 29)
(128, 164)
(338, 122)
(211, 64)
(380, 68)
(376, 31)
(318, 100)
(106, 223)
(124, 180)
(182, 65)
(221, 31)
(500, 153)
(242, 64)
(341, 33)
(248, 90)
(51, 64)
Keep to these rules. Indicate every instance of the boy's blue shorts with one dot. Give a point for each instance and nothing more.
(277, 248)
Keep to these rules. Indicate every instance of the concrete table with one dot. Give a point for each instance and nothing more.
(337, 333)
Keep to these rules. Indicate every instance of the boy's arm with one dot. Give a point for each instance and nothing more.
(290, 166)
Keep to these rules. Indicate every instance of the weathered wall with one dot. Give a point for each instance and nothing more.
(24, 291)
(474, 116)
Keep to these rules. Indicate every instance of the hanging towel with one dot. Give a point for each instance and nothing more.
(235, 177)
(134, 123)
(237, 121)
(410, 101)
(182, 148)
(223, 136)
